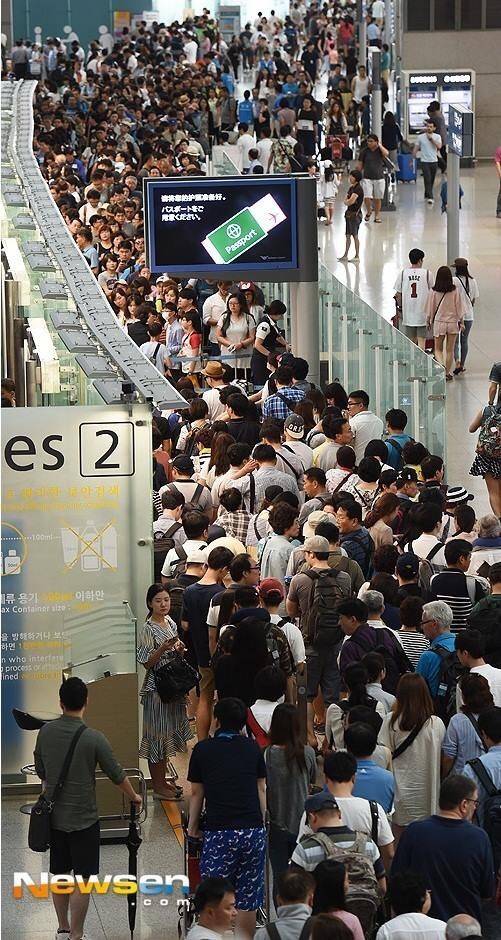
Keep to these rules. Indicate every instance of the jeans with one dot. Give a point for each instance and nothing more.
(281, 846)
(463, 339)
(429, 174)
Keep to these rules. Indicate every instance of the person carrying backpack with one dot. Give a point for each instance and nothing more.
(439, 666)
(396, 420)
(362, 638)
(330, 838)
(485, 771)
(314, 596)
(168, 530)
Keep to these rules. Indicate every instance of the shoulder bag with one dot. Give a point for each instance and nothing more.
(175, 678)
(39, 832)
(407, 741)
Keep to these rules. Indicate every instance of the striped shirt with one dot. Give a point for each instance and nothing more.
(459, 592)
(309, 853)
(461, 742)
(414, 644)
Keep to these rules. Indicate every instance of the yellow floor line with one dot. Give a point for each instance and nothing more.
(173, 813)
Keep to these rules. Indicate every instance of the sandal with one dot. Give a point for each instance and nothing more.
(448, 377)
(368, 216)
(378, 220)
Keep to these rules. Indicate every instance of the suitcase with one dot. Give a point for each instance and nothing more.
(407, 170)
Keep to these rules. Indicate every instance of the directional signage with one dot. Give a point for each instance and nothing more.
(460, 132)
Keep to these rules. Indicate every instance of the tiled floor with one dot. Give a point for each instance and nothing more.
(384, 250)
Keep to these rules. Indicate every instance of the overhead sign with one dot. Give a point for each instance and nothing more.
(76, 501)
(460, 131)
(208, 226)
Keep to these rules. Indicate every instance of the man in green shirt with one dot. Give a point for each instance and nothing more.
(75, 822)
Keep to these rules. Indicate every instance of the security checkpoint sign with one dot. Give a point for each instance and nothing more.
(75, 545)
(234, 237)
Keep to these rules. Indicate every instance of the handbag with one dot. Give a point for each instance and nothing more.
(175, 678)
(39, 832)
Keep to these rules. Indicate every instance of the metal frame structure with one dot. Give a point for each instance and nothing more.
(92, 305)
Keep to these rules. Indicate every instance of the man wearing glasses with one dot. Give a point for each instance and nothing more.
(453, 856)
(365, 425)
(436, 626)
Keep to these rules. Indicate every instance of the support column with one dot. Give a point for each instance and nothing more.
(305, 333)
(453, 166)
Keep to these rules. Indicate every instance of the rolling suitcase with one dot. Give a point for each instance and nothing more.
(407, 170)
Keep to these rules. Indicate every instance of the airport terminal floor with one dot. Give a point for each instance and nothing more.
(444, 712)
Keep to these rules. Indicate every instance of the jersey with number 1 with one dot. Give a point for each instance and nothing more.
(414, 285)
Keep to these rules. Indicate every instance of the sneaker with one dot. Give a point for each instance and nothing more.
(430, 202)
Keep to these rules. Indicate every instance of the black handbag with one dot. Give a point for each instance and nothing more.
(175, 678)
(39, 832)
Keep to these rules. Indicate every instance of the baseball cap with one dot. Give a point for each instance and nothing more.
(319, 801)
(163, 279)
(314, 519)
(316, 543)
(407, 565)
(183, 464)
(457, 494)
(271, 584)
(294, 425)
(196, 553)
(230, 542)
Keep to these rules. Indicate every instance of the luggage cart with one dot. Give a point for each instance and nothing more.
(115, 826)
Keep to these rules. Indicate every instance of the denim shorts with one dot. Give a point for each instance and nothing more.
(239, 855)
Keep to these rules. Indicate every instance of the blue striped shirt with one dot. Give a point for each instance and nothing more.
(461, 742)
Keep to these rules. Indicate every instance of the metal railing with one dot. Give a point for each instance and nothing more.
(94, 311)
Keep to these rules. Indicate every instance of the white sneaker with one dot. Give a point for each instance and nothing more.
(430, 202)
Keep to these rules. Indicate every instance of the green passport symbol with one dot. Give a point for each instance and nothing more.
(236, 235)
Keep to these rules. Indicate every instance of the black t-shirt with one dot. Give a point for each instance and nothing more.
(229, 766)
(196, 602)
(372, 163)
(355, 206)
(244, 432)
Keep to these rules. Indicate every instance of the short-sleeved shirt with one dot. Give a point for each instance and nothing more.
(414, 285)
(429, 663)
(196, 600)
(301, 586)
(355, 206)
(427, 150)
(372, 163)
(229, 766)
(461, 742)
(309, 853)
(356, 813)
(91, 256)
(157, 353)
(188, 488)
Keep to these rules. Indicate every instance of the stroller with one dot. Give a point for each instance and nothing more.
(192, 852)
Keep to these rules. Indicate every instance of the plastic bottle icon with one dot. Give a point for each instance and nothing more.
(12, 562)
(90, 558)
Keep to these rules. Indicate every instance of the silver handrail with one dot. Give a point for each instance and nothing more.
(88, 296)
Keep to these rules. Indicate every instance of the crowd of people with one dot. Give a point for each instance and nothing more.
(307, 551)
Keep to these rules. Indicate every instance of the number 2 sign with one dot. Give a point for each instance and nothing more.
(106, 449)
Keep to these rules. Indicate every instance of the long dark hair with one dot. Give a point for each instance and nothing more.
(462, 271)
(443, 280)
(285, 731)
(413, 704)
(240, 296)
(355, 678)
(330, 892)
(219, 453)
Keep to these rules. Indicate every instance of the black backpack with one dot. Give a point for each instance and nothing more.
(450, 671)
(197, 492)
(320, 626)
(491, 807)
(396, 662)
(162, 543)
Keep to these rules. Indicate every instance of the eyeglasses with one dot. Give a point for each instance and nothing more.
(427, 621)
(350, 404)
(468, 800)
(255, 568)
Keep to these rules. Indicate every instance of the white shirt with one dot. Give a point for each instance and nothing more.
(158, 356)
(190, 51)
(263, 148)
(467, 295)
(245, 143)
(303, 451)
(414, 285)
(263, 712)
(366, 427)
(202, 933)
(493, 677)
(294, 638)
(377, 10)
(356, 814)
(412, 927)
(213, 308)
(189, 546)
(423, 546)
(214, 403)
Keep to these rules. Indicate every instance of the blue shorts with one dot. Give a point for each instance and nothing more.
(239, 855)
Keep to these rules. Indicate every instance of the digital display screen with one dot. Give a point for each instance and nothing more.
(418, 102)
(209, 226)
(454, 96)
